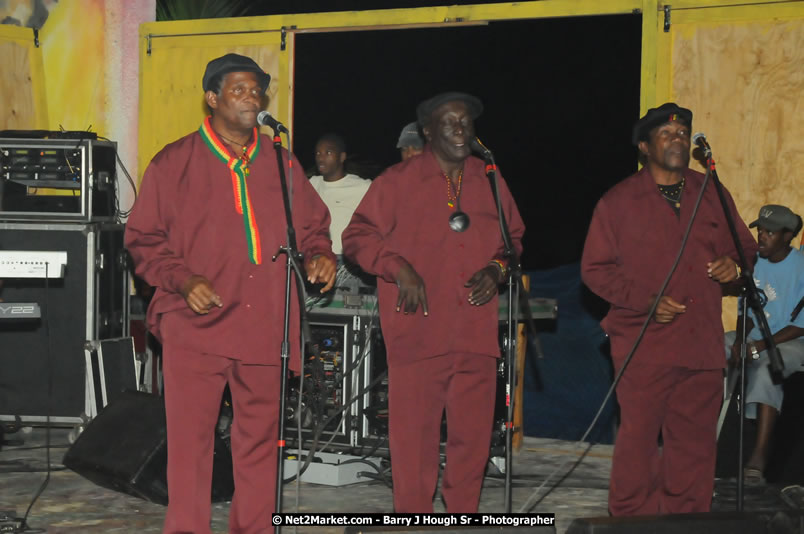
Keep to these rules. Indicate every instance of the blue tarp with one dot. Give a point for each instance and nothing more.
(564, 390)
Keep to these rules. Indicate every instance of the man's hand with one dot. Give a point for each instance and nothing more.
(321, 269)
(723, 270)
(484, 284)
(200, 295)
(667, 310)
(411, 290)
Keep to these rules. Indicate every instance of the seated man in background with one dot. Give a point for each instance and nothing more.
(779, 274)
(341, 192)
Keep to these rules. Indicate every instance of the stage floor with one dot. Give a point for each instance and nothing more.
(72, 504)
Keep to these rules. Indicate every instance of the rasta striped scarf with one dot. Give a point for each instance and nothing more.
(240, 171)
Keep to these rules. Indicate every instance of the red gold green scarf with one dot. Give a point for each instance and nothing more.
(240, 171)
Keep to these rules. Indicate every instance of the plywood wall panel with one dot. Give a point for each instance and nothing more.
(18, 111)
(744, 82)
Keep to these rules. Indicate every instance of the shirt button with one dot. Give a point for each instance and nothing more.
(251, 276)
(248, 305)
(461, 245)
(692, 300)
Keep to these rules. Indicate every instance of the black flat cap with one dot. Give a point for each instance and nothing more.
(656, 117)
(233, 63)
(426, 108)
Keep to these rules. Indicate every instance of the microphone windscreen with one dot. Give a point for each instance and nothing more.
(475, 145)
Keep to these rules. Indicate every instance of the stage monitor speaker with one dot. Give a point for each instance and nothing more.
(702, 523)
(124, 449)
(454, 530)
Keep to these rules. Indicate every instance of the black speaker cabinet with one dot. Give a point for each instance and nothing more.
(45, 367)
(124, 449)
(708, 523)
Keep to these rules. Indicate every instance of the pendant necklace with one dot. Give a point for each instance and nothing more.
(458, 220)
(672, 193)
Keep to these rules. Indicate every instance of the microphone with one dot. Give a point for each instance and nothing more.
(699, 139)
(479, 148)
(265, 119)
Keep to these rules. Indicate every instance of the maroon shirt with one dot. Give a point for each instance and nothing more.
(632, 242)
(404, 216)
(185, 222)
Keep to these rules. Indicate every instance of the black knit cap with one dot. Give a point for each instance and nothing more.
(656, 117)
(426, 108)
(233, 63)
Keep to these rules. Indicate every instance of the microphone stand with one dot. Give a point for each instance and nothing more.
(514, 285)
(294, 263)
(743, 333)
(752, 299)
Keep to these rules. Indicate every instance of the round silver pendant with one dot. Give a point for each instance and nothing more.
(459, 221)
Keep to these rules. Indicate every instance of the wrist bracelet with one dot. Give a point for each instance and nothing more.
(501, 265)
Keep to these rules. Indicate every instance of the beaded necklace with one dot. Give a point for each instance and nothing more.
(453, 199)
(672, 193)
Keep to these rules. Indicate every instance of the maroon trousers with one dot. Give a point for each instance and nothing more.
(683, 405)
(194, 385)
(418, 393)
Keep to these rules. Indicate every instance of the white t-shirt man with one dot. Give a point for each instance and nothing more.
(342, 198)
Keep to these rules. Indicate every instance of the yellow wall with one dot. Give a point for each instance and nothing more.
(74, 63)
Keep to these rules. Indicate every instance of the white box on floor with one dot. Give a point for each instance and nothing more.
(333, 469)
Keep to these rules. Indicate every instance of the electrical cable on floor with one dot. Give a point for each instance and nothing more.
(23, 523)
(34, 447)
(380, 472)
(375, 447)
(24, 467)
(533, 500)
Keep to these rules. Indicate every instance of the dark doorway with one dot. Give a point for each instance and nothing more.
(560, 97)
